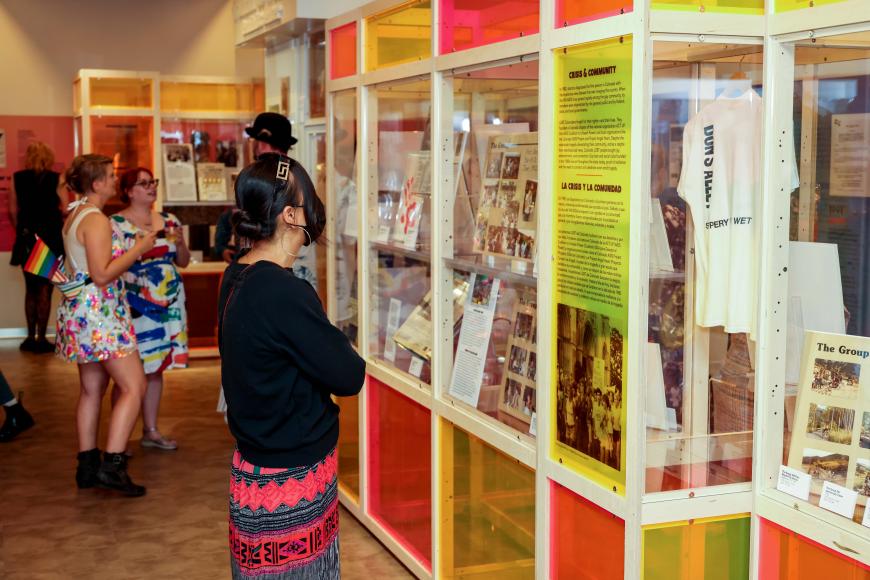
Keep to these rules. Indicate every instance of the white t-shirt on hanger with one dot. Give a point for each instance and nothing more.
(721, 181)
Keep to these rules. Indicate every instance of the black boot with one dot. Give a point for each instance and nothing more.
(86, 472)
(17, 421)
(113, 475)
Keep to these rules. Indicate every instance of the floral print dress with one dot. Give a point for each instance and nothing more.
(155, 293)
(94, 325)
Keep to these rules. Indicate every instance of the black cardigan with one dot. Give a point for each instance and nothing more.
(281, 359)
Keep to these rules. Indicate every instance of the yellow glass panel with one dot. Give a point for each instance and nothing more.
(729, 6)
(348, 445)
(786, 5)
(215, 97)
(402, 34)
(487, 510)
(121, 93)
(711, 548)
(77, 96)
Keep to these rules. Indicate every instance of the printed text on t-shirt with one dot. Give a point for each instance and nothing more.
(708, 163)
(737, 221)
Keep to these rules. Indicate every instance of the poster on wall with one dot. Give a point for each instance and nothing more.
(830, 439)
(850, 155)
(179, 175)
(591, 216)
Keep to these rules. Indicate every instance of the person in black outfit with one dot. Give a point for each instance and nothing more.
(35, 210)
(281, 361)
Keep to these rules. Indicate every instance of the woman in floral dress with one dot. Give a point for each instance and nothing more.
(155, 293)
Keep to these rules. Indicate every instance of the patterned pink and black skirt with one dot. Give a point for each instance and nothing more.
(284, 522)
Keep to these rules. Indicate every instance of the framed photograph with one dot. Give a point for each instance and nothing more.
(212, 181)
(179, 175)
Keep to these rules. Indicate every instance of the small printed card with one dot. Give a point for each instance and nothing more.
(866, 521)
(416, 366)
(793, 482)
(838, 499)
(533, 426)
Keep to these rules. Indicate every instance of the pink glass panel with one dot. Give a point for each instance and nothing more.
(343, 51)
(470, 23)
(400, 468)
(586, 540)
(570, 12)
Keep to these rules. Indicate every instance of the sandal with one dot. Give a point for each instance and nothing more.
(160, 442)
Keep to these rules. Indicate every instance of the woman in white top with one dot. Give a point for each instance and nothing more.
(94, 328)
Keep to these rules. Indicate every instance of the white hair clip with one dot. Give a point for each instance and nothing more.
(283, 170)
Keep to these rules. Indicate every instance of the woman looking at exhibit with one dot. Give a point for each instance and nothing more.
(35, 210)
(155, 292)
(281, 361)
(94, 329)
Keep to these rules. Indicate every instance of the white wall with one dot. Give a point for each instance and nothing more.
(43, 43)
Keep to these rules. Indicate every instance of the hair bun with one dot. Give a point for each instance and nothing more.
(247, 227)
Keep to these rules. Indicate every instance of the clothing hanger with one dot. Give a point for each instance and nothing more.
(739, 82)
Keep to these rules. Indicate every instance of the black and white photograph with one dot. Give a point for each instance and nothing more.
(493, 166)
(589, 384)
(517, 360)
(523, 326)
(529, 200)
(865, 431)
(511, 166)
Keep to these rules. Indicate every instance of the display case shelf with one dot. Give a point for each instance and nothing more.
(465, 265)
(387, 248)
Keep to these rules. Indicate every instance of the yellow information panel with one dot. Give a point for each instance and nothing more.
(720, 6)
(592, 187)
(786, 5)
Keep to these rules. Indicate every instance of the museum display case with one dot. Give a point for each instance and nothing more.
(584, 242)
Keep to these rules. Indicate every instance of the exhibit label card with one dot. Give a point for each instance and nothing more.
(793, 482)
(838, 499)
(415, 368)
(866, 521)
(474, 339)
(592, 189)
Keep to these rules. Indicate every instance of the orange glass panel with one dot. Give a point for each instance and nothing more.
(712, 548)
(399, 35)
(129, 141)
(400, 468)
(573, 11)
(342, 60)
(212, 97)
(487, 510)
(121, 93)
(469, 23)
(348, 445)
(586, 540)
(787, 555)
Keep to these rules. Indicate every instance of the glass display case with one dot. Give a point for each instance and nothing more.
(609, 260)
(344, 197)
(700, 379)
(818, 452)
(492, 214)
(399, 205)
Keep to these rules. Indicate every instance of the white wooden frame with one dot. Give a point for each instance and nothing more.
(636, 508)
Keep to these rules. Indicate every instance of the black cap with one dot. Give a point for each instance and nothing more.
(273, 129)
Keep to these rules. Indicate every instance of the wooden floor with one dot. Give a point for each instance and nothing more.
(50, 529)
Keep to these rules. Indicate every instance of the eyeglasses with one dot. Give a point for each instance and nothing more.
(148, 183)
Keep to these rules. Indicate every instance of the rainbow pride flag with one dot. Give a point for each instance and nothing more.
(42, 262)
